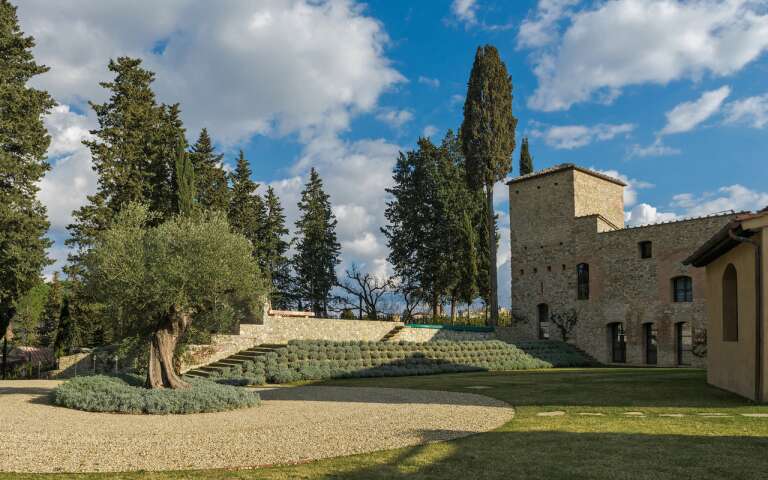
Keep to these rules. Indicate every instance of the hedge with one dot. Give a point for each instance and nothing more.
(304, 360)
(126, 394)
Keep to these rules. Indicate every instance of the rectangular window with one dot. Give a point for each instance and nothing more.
(582, 280)
(651, 345)
(684, 343)
(682, 289)
(646, 249)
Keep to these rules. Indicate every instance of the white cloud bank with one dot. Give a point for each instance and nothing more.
(688, 115)
(668, 40)
(751, 111)
(569, 137)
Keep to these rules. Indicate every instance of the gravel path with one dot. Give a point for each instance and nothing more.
(291, 425)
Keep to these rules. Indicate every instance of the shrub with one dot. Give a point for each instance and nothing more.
(126, 394)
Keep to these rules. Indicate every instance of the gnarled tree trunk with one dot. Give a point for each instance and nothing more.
(161, 372)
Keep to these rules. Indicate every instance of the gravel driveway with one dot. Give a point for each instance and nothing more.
(291, 425)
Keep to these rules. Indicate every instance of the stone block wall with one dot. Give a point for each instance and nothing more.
(427, 334)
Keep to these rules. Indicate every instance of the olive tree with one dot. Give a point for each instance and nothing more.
(157, 278)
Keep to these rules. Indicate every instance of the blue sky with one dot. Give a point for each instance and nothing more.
(671, 95)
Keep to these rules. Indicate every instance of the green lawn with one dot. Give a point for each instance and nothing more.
(571, 446)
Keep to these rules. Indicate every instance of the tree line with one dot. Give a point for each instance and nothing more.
(155, 191)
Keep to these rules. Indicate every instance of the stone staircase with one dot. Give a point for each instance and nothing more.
(235, 360)
(391, 336)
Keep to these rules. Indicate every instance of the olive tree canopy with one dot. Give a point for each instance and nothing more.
(156, 279)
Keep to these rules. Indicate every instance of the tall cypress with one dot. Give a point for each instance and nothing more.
(23, 143)
(66, 332)
(185, 181)
(210, 178)
(488, 140)
(272, 257)
(526, 161)
(246, 209)
(50, 321)
(317, 249)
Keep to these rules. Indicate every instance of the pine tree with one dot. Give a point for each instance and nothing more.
(185, 181)
(23, 143)
(210, 178)
(272, 258)
(488, 140)
(526, 161)
(66, 333)
(246, 209)
(52, 310)
(317, 250)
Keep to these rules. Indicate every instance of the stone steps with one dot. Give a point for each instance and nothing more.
(237, 359)
(392, 334)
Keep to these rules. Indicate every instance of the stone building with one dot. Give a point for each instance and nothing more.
(634, 300)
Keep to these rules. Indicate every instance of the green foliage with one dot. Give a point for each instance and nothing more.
(139, 271)
(317, 249)
(29, 313)
(318, 359)
(66, 331)
(526, 160)
(51, 312)
(273, 252)
(185, 181)
(127, 395)
(488, 140)
(347, 314)
(246, 209)
(211, 182)
(23, 143)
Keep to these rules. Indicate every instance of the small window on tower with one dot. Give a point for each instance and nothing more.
(646, 249)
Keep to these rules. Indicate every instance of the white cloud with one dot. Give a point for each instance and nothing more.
(656, 149)
(465, 11)
(752, 111)
(733, 197)
(619, 43)
(270, 67)
(429, 130)
(431, 82)
(540, 28)
(687, 115)
(643, 214)
(395, 118)
(633, 185)
(575, 136)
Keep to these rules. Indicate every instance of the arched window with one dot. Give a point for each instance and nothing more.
(682, 289)
(618, 342)
(683, 343)
(582, 278)
(730, 304)
(651, 345)
(543, 321)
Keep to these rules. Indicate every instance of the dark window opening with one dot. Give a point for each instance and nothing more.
(549, 267)
(646, 249)
(730, 304)
(582, 281)
(651, 345)
(543, 309)
(683, 343)
(682, 289)
(522, 272)
(618, 342)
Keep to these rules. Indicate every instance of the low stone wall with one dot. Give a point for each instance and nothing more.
(282, 330)
(429, 334)
(221, 347)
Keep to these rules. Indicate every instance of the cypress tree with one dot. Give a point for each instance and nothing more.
(246, 209)
(23, 143)
(526, 161)
(272, 258)
(488, 140)
(66, 333)
(185, 181)
(210, 178)
(317, 250)
(51, 311)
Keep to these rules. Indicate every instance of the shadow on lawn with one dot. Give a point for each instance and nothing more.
(563, 455)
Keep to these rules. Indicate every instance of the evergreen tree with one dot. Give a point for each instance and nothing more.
(51, 312)
(526, 161)
(185, 181)
(66, 333)
(272, 258)
(210, 178)
(133, 152)
(317, 250)
(246, 209)
(488, 140)
(23, 143)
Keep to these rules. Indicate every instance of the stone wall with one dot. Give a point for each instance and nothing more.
(282, 329)
(430, 334)
(622, 286)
